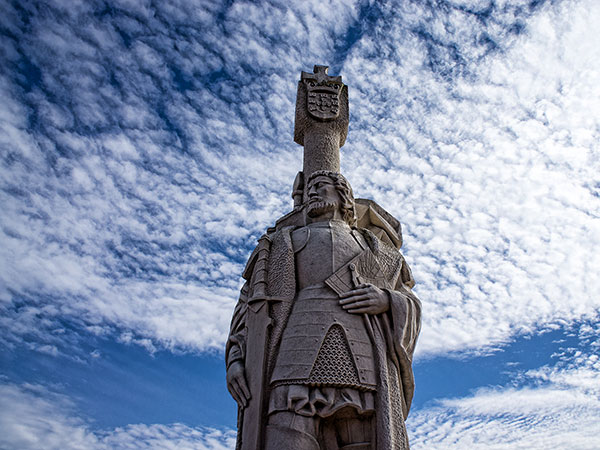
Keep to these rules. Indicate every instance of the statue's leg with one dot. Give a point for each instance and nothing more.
(348, 430)
(290, 431)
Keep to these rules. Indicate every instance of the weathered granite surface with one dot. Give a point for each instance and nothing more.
(320, 349)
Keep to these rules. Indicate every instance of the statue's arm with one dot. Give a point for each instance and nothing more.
(400, 303)
(235, 351)
(405, 312)
(236, 342)
(365, 299)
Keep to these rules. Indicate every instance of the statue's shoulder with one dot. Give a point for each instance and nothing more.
(383, 234)
(383, 225)
(294, 219)
(247, 273)
(284, 228)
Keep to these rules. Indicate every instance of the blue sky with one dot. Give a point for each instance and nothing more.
(145, 146)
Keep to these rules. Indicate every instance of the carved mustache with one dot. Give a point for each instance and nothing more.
(316, 208)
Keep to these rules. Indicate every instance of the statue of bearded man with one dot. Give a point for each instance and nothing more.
(343, 327)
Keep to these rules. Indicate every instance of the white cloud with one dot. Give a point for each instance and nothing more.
(136, 179)
(492, 170)
(518, 419)
(34, 418)
(169, 437)
(559, 409)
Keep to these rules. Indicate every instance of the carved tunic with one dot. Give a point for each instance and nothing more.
(322, 343)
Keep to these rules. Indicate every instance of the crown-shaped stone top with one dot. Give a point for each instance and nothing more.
(320, 77)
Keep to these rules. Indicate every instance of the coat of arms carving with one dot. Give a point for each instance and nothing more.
(323, 93)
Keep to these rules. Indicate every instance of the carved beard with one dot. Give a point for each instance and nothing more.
(316, 209)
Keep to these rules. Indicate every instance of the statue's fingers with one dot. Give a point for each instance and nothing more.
(243, 398)
(353, 301)
(244, 389)
(234, 393)
(363, 310)
(358, 304)
(355, 291)
(347, 300)
(355, 297)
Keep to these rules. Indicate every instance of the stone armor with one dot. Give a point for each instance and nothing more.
(322, 343)
(307, 373)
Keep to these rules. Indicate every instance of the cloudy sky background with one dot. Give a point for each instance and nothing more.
(145, 146)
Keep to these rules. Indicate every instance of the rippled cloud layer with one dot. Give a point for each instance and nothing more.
(146, 146)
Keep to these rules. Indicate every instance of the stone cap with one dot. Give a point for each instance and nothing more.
(321, 98)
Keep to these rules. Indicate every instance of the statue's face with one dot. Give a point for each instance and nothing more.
(323, 197)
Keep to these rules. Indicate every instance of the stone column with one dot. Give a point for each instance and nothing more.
(321, 124)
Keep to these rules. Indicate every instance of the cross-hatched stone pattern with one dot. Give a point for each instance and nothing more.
(334, 364)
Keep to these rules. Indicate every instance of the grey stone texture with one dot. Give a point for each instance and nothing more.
(319, 354)
(321, 124)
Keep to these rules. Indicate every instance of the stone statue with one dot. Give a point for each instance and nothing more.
(319, 354)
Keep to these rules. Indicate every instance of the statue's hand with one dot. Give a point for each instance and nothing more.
(237, 385)
(365, 299)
